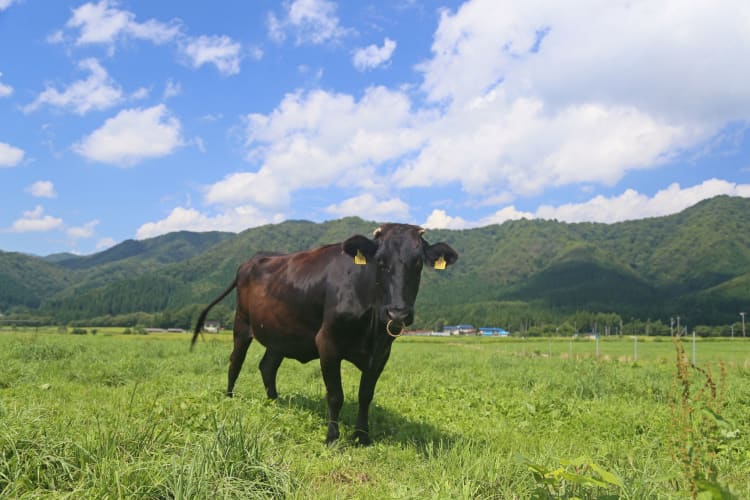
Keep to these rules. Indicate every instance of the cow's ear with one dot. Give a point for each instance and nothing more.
(440, 255)
(360, 248)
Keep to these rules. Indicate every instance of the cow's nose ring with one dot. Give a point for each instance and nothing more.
(388, 329)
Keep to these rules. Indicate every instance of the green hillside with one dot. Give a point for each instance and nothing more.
(586, 277)
(172, 247)
(56, 258)
(27, 281)
(695, 264)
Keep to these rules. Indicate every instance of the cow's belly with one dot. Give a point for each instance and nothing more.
(299, 347)
(292, 339)
(296, 340)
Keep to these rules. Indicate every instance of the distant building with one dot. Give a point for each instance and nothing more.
(460, 329)
(492, 331)
(212, 326)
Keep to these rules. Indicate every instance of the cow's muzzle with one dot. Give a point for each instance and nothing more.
(400, 315)
(398, 319)
(394, 329)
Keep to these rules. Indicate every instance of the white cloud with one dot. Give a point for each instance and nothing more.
(104, 23)
(140, 93)
(633, 205)
(4, 4)
(260, 188)
(212, 117)
(275, 28)
(96, 92)
(507, 125)
(42, 189)
(188, 219)
(318, 139)
(85, 231)
(132, 136)
(99, 23)
(255, 52)
(10, 156)
(439, 219)
(56, 37)
(373, 56)
(630, 205)
(36, 221)
(534, 96)
(5, 90)
(220, 51)
(312, 21)
(370, 207)
(172, 89)
(520, 146)
(105, 243)
(676, 62)
(516, 98)
(505, 214)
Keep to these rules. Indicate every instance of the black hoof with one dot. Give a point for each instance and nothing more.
(332, 435)
(362, 438)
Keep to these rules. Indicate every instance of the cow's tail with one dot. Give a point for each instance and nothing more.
(204, 313)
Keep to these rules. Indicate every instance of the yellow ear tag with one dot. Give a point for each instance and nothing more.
(359, 259)
(440, 263)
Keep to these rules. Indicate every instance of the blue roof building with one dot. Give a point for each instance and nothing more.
(488, 331)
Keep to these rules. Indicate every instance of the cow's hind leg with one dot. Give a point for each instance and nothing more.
(269, 365)
(242, 339)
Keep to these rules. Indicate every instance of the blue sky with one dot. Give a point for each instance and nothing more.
(133, 118)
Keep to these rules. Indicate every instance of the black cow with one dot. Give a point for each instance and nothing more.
(343, 301)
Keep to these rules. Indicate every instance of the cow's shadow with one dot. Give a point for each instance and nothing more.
(386, 425)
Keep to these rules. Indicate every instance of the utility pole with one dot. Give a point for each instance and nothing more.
(743, 323)
(693, 347)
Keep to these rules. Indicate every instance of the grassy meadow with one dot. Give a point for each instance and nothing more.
(118, 416)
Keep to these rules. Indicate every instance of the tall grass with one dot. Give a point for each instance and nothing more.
(85, 416)
(703, 433)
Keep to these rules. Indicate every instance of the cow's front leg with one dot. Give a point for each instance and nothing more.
(367, 383)
(330, 365)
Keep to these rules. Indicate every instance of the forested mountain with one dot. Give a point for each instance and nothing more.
(59, 257)
(26, 281)
(695, 264)
(172, 247)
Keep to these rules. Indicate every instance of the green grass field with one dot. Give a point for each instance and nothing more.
(111, 415)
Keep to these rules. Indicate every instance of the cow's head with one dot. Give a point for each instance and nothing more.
(398, 252)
